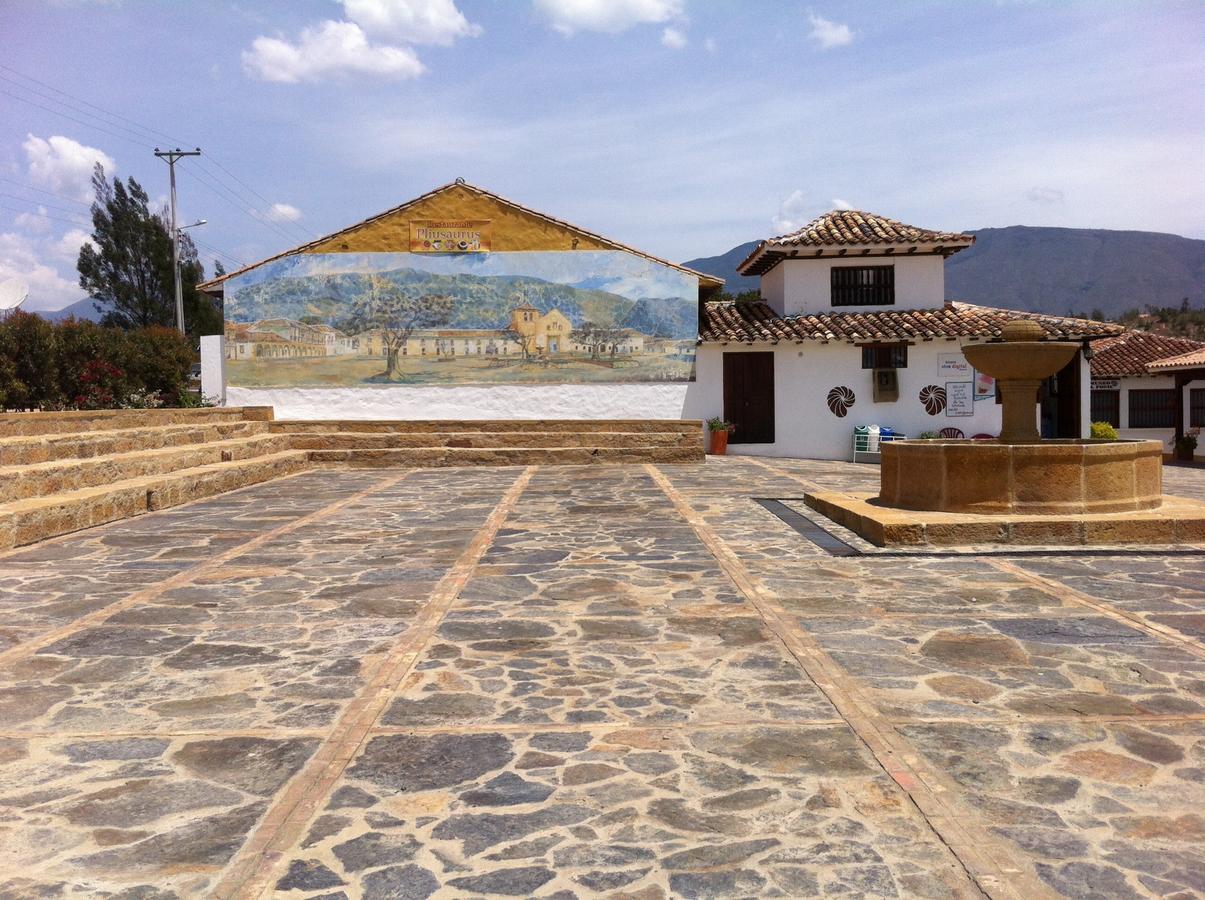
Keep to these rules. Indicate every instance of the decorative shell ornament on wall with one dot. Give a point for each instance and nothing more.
(934, 398)
(840, 399)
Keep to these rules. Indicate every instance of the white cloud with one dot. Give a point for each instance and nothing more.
(838, 203)
(794, 212)
(328, 48)
(610, 16)
(21, 257)
(281, 212)
(411, 21)
(673, 38)
(1044, 195)
(35, 222)
(709, 45)
(64, 166)
(67, 247)
(829, 34)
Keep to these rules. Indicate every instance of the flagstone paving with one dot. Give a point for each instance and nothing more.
(625, 682)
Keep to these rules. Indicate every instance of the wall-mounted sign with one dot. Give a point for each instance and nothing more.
(953, 365)
(460, 236)
(1106, 384)
(960, 398)
(985, 387)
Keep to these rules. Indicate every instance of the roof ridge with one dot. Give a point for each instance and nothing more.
(459, 182)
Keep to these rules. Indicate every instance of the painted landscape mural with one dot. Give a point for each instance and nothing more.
(344, 319)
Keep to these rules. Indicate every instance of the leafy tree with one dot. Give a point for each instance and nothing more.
(127, 267)
(597, 337)
(396, 314)
(750, 296)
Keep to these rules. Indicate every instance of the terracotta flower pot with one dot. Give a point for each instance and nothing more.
(719, 443)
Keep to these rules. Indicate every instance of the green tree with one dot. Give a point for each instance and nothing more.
(127, 267)
(396, 314)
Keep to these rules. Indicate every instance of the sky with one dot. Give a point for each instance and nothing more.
(682, 127)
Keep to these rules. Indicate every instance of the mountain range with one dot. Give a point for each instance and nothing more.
(481, 301)
(1052, 270)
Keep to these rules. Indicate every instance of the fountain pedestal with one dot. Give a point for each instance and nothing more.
(1018, 489)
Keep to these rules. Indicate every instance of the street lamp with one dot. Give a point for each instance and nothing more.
(176, 254)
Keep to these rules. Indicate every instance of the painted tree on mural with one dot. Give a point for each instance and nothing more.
(396, 314)
(599, 338)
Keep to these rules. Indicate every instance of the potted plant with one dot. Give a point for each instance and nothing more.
(1186, 445)
(718, 429)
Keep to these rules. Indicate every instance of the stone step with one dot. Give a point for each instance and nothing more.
(507, 456)
(491, 440)
(30, 449)
(38, 518)
(76, 421)
(57, 476)
(420, 426)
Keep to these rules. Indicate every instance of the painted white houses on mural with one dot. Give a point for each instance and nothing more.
(1138, 379)
(542, 319)
(853, 329)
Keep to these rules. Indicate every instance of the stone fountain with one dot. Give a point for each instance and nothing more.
(1018, 473)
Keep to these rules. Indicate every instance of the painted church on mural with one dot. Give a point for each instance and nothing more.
(464, 304)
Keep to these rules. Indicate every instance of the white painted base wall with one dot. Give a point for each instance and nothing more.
(560, 401)
(1150, 382)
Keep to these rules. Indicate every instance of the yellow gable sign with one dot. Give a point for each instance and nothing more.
(461, 236)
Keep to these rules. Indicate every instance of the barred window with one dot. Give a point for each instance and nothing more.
(1106, 407)
(1196, 407)
(863, 285)
(886, 356)
(1153, 408)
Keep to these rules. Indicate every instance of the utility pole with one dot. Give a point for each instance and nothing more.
(171, 156)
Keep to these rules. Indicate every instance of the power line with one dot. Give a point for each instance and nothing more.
(40, 204)
(91, 125)
(212, 249)
(267, 203)
(29, 187)
(216, 188)
(55, 218)
(152, 133)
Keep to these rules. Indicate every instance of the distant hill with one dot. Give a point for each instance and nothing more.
(1053, 270)
(80, 309)
(724, 266)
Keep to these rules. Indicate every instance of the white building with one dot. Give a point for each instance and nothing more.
(1134, 385)
(854, 329)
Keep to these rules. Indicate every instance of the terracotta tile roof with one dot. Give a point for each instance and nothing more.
(840, 229)
(854, 227)
(1191, 360)
(732, 322)
(1131, 353)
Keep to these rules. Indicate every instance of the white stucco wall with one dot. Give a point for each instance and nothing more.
(803, 376)
(805, 287)
(1153, 382)
(557, 401)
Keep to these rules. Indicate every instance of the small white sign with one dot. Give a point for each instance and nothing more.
(1105, 384)
(953, 365)
(960, 398)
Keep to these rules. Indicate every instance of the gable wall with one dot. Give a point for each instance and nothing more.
(513, 229)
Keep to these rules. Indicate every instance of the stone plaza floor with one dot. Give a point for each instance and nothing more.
(618, 681)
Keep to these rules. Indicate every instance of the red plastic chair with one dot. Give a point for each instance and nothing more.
(984, 437)
(952, 433)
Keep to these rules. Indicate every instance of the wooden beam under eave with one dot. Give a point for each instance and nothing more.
(842, 252)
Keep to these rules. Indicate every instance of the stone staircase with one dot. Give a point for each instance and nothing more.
(496, 442)
(61, 472)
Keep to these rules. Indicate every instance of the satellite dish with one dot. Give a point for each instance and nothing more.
(12, 294)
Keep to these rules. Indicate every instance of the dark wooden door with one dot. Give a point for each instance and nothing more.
(749, 397)
(1060, 402)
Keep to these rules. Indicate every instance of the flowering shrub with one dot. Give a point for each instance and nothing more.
(80, 365)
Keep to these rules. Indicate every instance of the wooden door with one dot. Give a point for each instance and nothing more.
(749, 397)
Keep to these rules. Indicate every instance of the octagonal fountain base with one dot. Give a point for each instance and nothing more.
(1046, 493)
(1061, 477)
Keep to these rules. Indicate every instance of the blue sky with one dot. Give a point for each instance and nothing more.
(682, 127)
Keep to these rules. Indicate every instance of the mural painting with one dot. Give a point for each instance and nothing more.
(344, 319)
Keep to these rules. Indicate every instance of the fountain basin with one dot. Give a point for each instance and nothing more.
(1061, 477)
